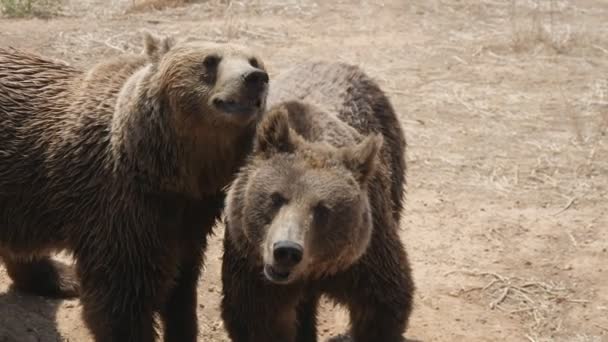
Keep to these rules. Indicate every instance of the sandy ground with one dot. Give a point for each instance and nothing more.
(505, 107)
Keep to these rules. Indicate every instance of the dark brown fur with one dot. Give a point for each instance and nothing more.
(324, 133)
(124, 166)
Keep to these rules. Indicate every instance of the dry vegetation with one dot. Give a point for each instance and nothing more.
(144, 5)
(505, 106)
(29, 8)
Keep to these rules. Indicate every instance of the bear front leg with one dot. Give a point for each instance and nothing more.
(379, 293)
(254, 310)
(117, 306)
(124, 280)
(307, 318)
(179, 312)
(42, 276)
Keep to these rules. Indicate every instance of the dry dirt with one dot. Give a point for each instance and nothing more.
(505, 106)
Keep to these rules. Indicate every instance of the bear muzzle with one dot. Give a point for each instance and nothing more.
(245, 96)
(286, 256)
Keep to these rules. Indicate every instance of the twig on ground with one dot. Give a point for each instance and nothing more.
(600, 48)
(462, 291)
(461, 101)
(530, 338)
(501, 298)
(523, 295)
(477, 274)
(573, 239)
(580, 301)
(490, 284)
(601, 327)
(568, 205)
(521, 310)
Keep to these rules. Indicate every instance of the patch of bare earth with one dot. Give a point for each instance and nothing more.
(505, 106)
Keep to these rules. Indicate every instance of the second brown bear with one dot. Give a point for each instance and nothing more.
(123, 165)
(316, 212)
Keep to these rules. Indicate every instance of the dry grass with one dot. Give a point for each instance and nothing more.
(539, 303)
(145, 5)
(29, 8)
(542, 25)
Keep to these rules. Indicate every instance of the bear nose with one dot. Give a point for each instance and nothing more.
(287, 253)
(256, 79)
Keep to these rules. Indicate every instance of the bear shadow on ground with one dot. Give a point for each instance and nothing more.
(25, 318)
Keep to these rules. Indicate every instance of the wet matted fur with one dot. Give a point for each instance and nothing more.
(123, 165)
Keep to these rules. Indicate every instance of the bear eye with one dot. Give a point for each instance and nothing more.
(211, 61)
(254, 62)
(278, 200)
(210, 64)
(321, 213)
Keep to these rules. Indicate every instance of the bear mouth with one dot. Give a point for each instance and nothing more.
(276, 275)
(238, 108)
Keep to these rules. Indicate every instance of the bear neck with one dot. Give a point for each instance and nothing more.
(148, 149)
(212, 156)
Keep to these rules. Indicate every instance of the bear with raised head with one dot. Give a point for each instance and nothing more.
(315, 211)
(124, 166)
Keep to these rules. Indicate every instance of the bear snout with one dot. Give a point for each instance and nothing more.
(255, 85)
(287, 254)
(256, 82)
(246, 95)
(241, 89)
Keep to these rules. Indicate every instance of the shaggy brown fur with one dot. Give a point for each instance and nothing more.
(124, 166)
(316, 211)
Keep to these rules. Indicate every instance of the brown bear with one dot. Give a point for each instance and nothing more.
(125, 166)
(315, 211)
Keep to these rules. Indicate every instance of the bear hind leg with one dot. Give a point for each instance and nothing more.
(42, 276)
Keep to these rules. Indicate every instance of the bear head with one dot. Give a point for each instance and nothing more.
(302, 207)
(207, 83)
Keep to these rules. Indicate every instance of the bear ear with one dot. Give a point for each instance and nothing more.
(273, 133)
(155, 47)
(362, 158)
